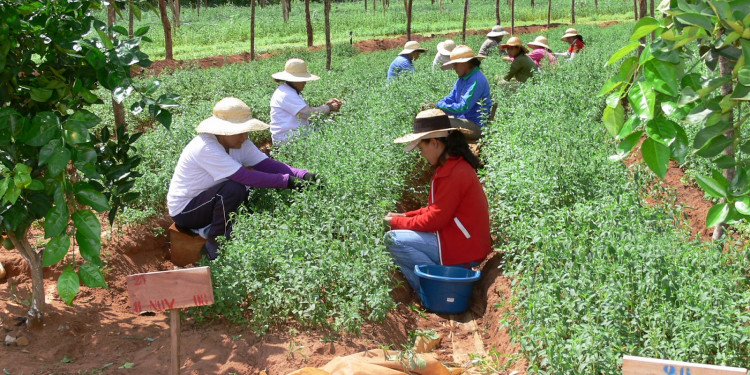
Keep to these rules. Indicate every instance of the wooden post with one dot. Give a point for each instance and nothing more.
(463, 28)
(632, 365)
(171, 290)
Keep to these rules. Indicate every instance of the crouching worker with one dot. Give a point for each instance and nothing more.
(454, 228)
(211, 180)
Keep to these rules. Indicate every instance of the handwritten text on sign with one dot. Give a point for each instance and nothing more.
(632, 365)
(158, 291)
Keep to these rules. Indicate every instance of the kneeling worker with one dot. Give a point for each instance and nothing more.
(211, 180)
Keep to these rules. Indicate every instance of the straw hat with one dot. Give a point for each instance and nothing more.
(570, 32)
(497, 30)
(445, 48)
(461, 53)
(295, 70)
(231, 116)
(412, 46)
(514, 42)
(430, 123)
(540, 41)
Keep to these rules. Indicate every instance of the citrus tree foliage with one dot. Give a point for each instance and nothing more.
(58, 162)
(678, 81)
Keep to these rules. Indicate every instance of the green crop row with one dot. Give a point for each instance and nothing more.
(226, 29)
(597, 272)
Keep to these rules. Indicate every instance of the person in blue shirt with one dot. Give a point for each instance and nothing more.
(404, 62)
(469, 102)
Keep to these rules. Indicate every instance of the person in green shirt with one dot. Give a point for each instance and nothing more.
(522, 66)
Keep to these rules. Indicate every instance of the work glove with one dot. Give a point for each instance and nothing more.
(295, 183)
(311, 177)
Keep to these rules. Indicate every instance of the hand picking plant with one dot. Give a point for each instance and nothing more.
(58, 162)
(676, 84)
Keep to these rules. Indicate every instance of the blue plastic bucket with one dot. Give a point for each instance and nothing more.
(445, 289)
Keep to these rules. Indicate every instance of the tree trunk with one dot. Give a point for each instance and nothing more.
(596, 5)
(308, 23)
(463, 28)
(374, 6)
(117, 108)
(408, 19)
(178, 8)
(198, 7)
(635, 9)
(167, 30)
(130, 18)
(36, 310)
(549, 13)
(532, 4)
(497, 12)
(365, 5)
(252, 29)
(725, 69)
(643, 5)
(573, 11)
(284, 11)
(175, 13)
(651, 10)
(441, 6)
(262, 3)
(327, 11)
(512, 17)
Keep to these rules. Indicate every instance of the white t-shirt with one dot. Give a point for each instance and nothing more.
(285, 105)
(204, 163)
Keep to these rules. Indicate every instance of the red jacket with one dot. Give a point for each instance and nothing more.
(457, 212)
(576, 46)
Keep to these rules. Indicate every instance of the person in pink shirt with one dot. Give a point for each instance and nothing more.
(541, 51)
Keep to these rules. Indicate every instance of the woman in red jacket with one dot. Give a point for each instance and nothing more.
(454, 228)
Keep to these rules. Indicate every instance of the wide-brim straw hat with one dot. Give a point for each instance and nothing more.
(445, 47)
(540, 41)
(462, 53)
(514, 42)
(497, 30)
(231, 116)
(430, 123)
(570, 32)
(412, 46)
(295, 70)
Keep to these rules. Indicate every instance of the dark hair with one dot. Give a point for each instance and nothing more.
(475, 62)
(455, 145)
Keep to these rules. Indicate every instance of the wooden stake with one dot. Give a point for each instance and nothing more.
(174, 331)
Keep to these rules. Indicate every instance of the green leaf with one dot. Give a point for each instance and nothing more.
(643, 27)
(91, 276)
(696, 20)
(141, 31)
(662, 130)
(663, 75)
(714, 146)
(745, 44)
(75, 132)
(120, 93)
(627, 144)
(35, 185)
(56, 220)
(711, 186)
(716, 215)
(83, 118)
(68, 285)
(44, 127)
(613, 119)
(88, 235)
(96, 58)
(643, 99)
(741, 92)
(55, 250)
(656, 156)
(744, 75)
(725, 162)
(680, 147)
(86, 194)
(40, 95)
(622, 52)
(742, 205)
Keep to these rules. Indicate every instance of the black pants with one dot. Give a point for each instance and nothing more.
(213, 206)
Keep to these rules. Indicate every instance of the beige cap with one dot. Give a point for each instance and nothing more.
(412, 46)
(514, 42)
(497, 30)
(570, 32)
(231, 116)
(461, 53)
(295, 70)
(540, 41)
(445, 48)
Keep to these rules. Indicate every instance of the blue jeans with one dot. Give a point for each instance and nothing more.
(409, 248)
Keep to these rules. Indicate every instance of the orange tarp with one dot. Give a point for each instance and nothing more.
(374, 362)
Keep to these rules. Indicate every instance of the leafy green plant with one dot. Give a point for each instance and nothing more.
(54, 164)
(694, 73)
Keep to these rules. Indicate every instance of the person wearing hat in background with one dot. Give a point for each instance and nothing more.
(443, 54)
(575, 40)
(404, 62)
(540, 51)
(211, 180)
(494, 38)
(522, 66)
(454, 228)
(289, 110)
(469, 101)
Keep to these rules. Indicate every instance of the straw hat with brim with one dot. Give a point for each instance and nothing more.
(461, 53)
(295, 70)
(231, 116)
(412, 46)
(430, 123)
(570, 32)
(497, 30)
(514, 42)
(540, 41)
(445, 48)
